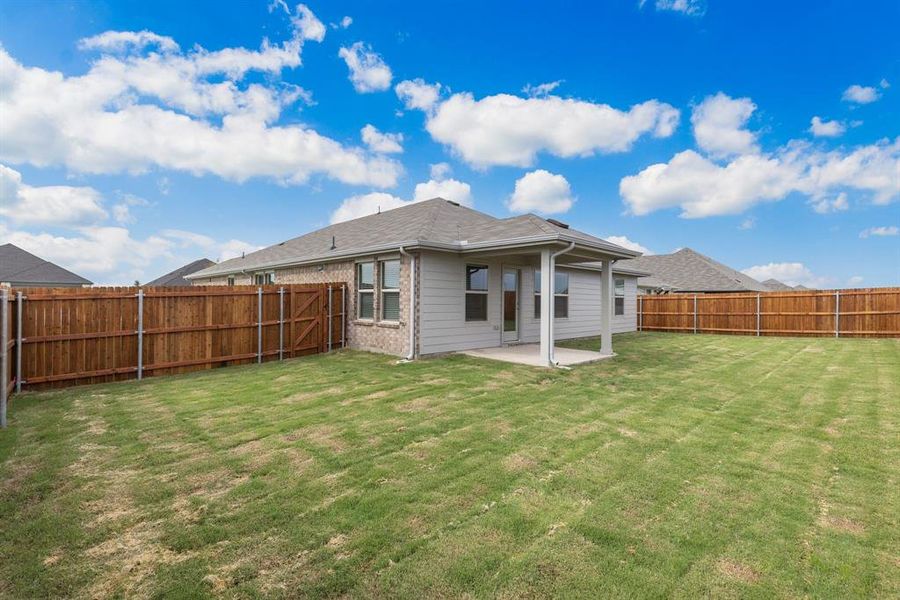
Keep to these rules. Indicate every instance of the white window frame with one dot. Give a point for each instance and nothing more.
(268, 278)
(537, 294)
(483, 292)
(383, 290)
(360, 291)
(617, 295)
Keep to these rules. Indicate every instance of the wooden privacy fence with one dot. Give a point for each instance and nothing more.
(873, 312)
(57, 337)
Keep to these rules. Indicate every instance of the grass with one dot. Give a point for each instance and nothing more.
(687, 466)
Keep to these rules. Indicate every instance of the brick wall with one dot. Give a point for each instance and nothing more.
(375, 335)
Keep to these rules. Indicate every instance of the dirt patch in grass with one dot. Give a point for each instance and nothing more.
(321, 435)
(842, 524)
(738, 571)
(417, 405)
(519, 462)
(629, 433)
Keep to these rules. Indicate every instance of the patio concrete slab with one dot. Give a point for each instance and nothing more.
(529, 354)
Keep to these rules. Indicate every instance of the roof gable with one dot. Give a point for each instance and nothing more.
(176, 277)
(688, 270)
(24, 268)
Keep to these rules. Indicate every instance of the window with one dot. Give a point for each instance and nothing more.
(560, 295)
(231, 280)
(365, 290)
(390, 289)
(476, 293)
(264, 278)
(620, 296)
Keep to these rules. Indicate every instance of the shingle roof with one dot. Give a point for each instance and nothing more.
(176, 277)
(690, 271)
(775, 285)
(435, 221)
(25, 269)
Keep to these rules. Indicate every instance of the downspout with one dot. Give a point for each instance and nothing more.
(552, 296)
(412, 303)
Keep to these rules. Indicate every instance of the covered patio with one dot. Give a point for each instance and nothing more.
(530, 354)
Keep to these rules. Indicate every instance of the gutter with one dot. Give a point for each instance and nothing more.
(551, 295)
(412, 303)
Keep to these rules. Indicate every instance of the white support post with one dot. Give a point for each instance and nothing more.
(837, 313)
(19, 305)
(607, 306)
(757, 315)
(281, 323)
(259, 325)
(4, 353)
(547, 277)
(695, 313)
(140, 334)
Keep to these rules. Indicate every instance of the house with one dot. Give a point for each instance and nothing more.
(177, 277)
(773, 285)
(688, 271)
(434, 277)
(19, 268)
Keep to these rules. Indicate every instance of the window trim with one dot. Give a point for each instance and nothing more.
(617, 295)
(483, 292)
(383, 290)
(360, 291)
(229, 281)
(537, 294)
(268, 278)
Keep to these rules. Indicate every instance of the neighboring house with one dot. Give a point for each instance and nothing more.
(177, 277)
(19, 268)
(434, 277)
(773, 285)
(689, 271)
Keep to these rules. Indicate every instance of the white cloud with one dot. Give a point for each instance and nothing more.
(309, 26)
(880, 231)
(693, 8)
(121, 41)
(510, 130)
(385, 143)
(368, 71)
(418, 95)
(440, 170)
(47, 205)
(791, 273)
(541, 90)
(346, 22)
(188, 111)
(719, 126)
(122, 211)
(621, 240)
(827, 205)
(748, 223)
(820, 128)
(542, 192)
(855, 281)
(702, 187)
(448, 189)
(861, 94)
(883, 84)
(217, 251)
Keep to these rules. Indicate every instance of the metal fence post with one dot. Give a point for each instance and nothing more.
(330, 318)
(837, 313)
(140, 334)
(757, 315)
(4, 353)
(281, 323)
(19, 298)
(695, 313)
(259, 325)
(343, 314)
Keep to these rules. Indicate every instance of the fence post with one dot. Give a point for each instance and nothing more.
(343, 314)
(4, 354)
(640, 313)
(281, 323)
(837, 313)
(695, 313)
(140, 334)
(259, 325)
(19, 299)
(757, 315)
(330, 318)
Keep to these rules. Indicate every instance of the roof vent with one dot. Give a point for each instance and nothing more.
(558, 223)
(332, 243)
(453, 203)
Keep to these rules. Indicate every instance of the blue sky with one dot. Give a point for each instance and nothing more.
(135, 137)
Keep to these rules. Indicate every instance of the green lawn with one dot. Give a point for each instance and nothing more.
(687, 466)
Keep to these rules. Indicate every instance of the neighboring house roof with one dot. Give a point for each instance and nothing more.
(690, 271)
(437, 224)
(776, 286)
(23, 268)
(176, 277)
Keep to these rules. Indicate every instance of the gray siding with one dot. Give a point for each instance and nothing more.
(442, 300)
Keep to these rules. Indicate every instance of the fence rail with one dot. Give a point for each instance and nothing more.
(56, 337)
(873, 312)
